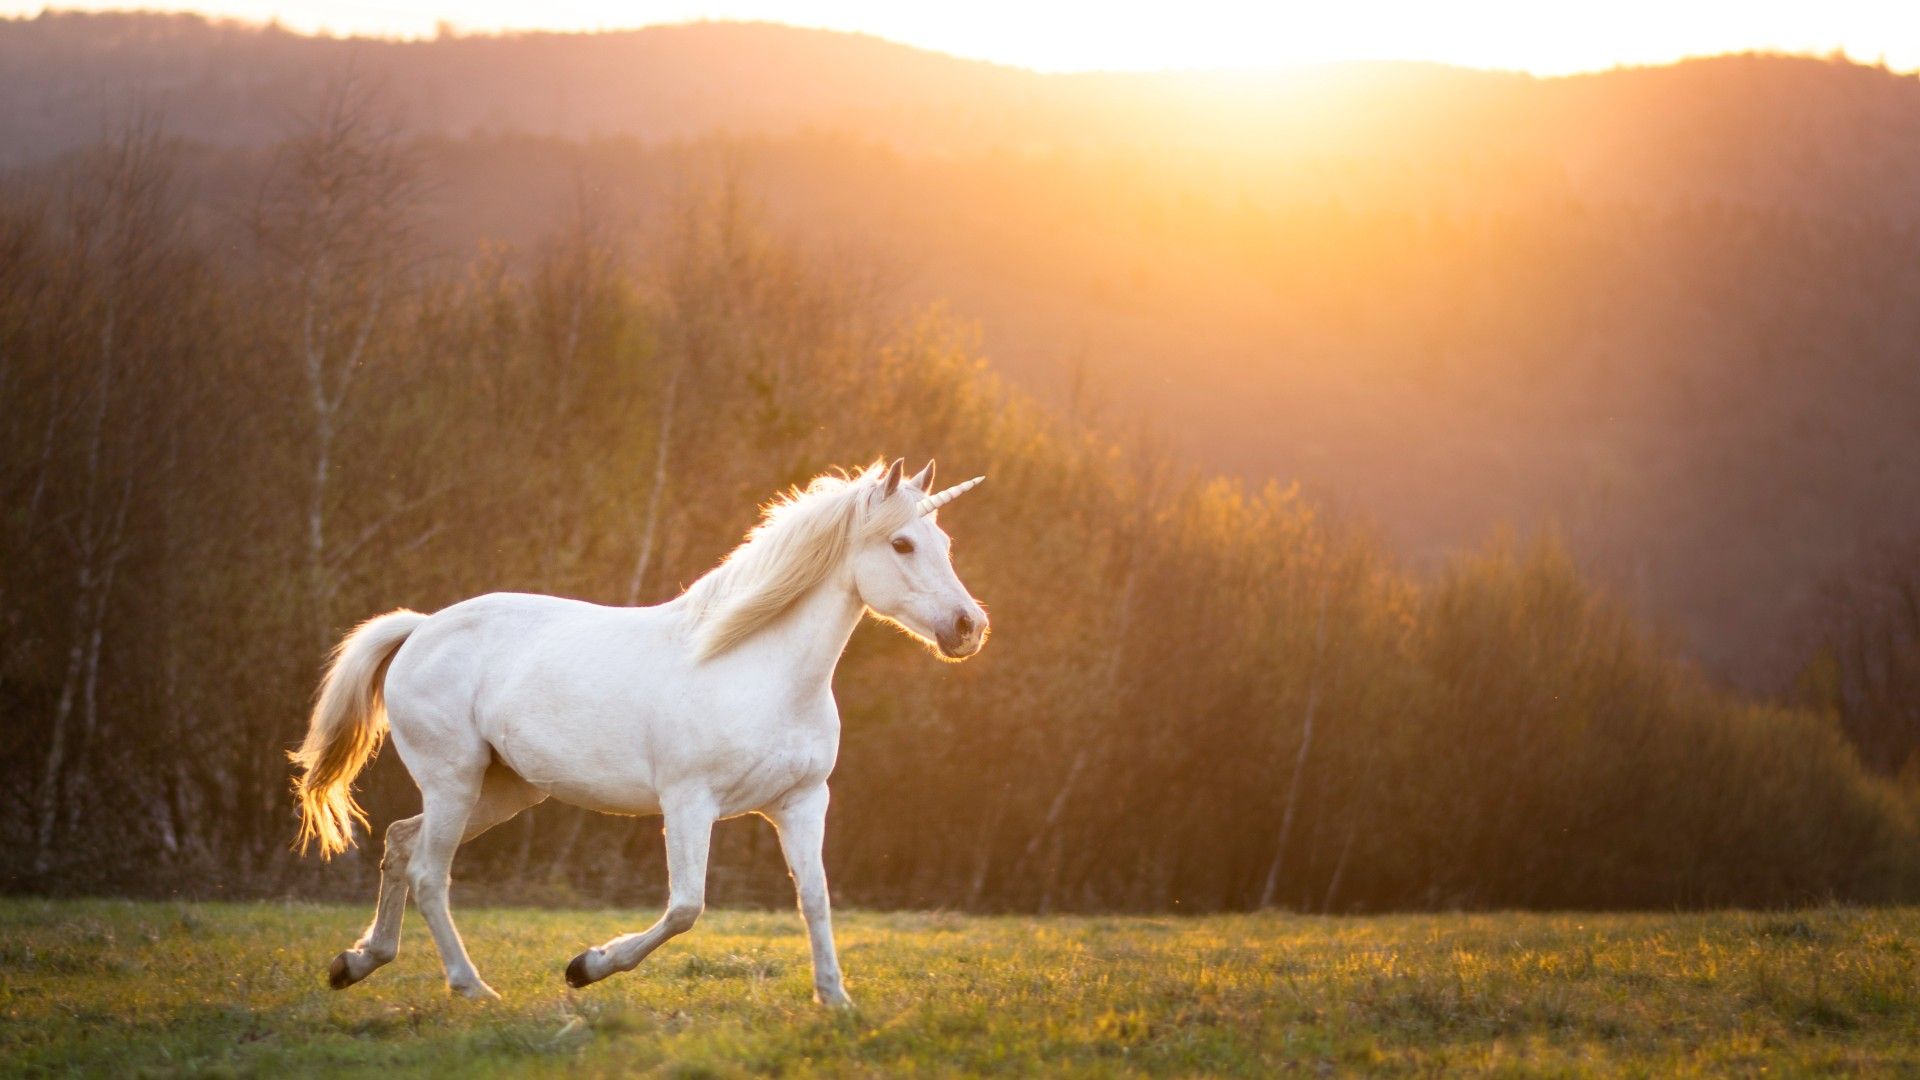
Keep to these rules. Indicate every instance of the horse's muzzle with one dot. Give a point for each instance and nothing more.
(964, 635)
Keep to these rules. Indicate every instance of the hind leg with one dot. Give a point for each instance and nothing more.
(502, 796)
(381, 943)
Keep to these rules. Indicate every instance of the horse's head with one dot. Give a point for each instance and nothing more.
(904, 573)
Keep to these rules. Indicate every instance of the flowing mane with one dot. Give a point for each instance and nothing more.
(802, 536)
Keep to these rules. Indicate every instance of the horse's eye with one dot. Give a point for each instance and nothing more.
(903, 545)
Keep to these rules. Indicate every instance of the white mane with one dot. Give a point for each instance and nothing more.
(803, 535)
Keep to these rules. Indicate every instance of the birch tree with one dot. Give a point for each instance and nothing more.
(334, 221)
(118, 239)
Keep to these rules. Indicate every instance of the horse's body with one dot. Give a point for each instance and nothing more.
(601, 707)
(715, 704)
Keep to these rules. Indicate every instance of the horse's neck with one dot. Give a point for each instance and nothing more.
(806, 641)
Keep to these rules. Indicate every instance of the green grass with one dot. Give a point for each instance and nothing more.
(121, 988)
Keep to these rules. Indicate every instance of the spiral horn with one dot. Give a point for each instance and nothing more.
(934, 502)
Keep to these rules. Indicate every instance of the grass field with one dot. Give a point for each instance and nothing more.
(121, 988)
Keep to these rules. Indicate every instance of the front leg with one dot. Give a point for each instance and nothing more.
(689, 834)
(802, 823)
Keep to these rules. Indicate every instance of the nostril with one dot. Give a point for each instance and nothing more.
(963, 625)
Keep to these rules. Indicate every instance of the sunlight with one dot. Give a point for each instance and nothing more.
(1545, 39)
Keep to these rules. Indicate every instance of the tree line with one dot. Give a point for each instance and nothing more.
(1668, 307)
(232, 435)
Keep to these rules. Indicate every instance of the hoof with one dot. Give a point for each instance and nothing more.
(577, 976)
(480, 992)
(339, 975)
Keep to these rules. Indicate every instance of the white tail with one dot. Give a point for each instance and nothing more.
(349, 721)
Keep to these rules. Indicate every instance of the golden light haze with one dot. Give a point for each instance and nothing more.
(1526, 35)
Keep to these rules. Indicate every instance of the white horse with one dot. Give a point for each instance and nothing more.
(715, 704)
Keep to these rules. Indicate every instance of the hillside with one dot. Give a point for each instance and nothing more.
(1754, 130)
(1673, 311)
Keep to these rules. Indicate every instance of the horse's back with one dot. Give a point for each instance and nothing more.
(511, 609)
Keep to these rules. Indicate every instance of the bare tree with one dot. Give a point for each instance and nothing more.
(695, 293)
(1865, 666)
(580, 306)
(118, 237)
(335, 221)
(1270, 887)
(576, 290)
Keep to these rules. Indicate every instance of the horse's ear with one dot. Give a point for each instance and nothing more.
(890, 483)
(923, 479)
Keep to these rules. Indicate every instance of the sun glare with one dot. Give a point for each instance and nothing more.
(1523, 35)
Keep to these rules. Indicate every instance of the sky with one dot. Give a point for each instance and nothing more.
(1546, 37)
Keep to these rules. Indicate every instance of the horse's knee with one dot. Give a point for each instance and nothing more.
(681, 915)
(427, 886)
(813, 902)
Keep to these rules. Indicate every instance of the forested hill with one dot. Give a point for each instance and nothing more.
(1759, 130)
(1670, 310)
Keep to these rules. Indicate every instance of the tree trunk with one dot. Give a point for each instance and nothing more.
(650, 524)
(1272, 884)
(52, 771)
(90, 693)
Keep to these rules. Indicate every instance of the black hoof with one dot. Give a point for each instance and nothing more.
(577, 976)
(339, 976)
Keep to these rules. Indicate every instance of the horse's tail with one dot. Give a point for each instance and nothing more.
(349, 720)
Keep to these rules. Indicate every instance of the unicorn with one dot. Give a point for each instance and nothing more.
(713, 705)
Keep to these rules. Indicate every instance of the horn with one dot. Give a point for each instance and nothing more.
(934, 502)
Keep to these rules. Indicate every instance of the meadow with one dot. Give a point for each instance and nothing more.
(177, 989)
